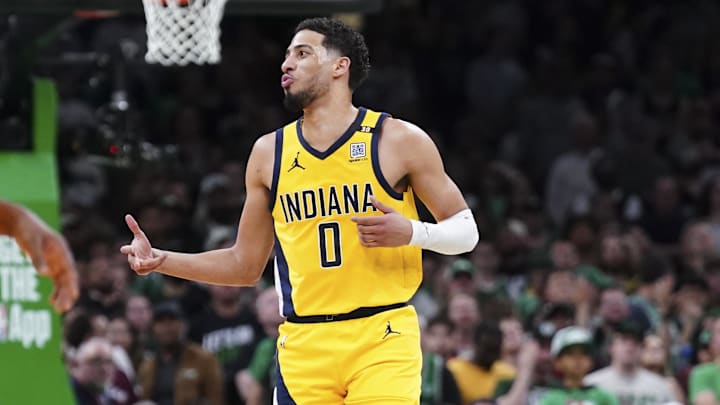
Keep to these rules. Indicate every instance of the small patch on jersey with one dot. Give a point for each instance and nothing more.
(357, 150)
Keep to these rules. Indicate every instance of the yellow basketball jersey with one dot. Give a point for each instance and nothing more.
(320, 266)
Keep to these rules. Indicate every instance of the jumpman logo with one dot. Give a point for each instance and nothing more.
(296, 163)
(388, 330)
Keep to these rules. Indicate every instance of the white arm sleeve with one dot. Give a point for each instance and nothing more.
(451, 236)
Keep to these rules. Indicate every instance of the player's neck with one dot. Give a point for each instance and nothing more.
(329, 116)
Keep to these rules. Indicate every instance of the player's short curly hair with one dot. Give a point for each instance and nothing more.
(347, 41)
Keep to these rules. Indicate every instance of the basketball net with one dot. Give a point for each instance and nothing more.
(180, 32)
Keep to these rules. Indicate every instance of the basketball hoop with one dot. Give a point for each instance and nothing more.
(183, 31)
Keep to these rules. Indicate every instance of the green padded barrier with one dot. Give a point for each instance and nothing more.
(31, 368)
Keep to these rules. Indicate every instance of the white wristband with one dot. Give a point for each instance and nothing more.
(454, 235)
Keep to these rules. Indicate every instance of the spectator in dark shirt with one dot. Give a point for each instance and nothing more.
(229, 329)
(179, 373)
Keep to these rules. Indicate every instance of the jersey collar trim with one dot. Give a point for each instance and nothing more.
(335, 146)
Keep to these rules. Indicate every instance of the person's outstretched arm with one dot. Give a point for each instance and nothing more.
(47, 249)
(241, 264)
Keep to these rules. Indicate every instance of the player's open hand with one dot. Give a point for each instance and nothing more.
(141, 256)
(52, 258)
(387, 230)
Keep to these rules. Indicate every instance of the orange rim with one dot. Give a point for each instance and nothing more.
(95, 14)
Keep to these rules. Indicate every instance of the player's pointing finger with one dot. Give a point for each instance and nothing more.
(133, 225)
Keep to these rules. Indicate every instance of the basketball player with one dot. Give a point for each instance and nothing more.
(47, 249)
(334, 193)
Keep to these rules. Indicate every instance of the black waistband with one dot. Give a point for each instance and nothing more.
(362, 312)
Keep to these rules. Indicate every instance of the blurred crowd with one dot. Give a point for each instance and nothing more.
(583, 133)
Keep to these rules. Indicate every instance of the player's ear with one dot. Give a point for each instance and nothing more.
(341, 66)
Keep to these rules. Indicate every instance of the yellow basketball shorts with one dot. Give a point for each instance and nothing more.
(372, 360)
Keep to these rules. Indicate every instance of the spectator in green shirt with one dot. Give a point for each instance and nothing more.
(571, 348)
(705, 378)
